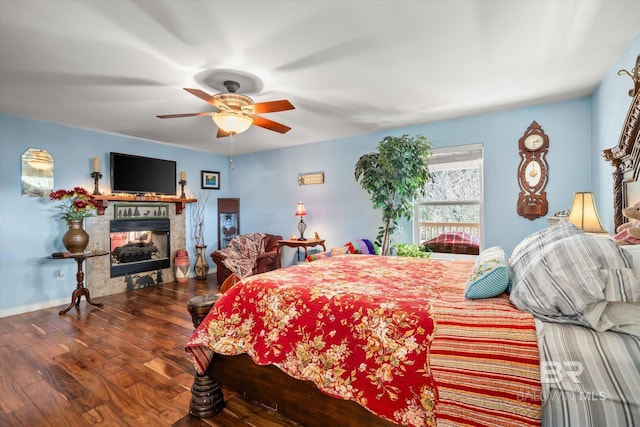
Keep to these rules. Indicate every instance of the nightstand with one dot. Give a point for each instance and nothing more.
(298, 244)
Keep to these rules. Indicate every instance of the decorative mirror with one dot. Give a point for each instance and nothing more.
(37, 173)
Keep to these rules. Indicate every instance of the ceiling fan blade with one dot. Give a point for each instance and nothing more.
(270, 124)
(270, 107)
(173, 116)
(207, 98)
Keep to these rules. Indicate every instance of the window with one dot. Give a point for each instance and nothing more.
(453, 201)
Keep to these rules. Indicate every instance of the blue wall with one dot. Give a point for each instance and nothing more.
(341, 211)
(266, 182)
(29, 231)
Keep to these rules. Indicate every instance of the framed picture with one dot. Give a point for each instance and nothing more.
(210, 180)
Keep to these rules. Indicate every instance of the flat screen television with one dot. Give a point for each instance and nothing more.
(142, 175)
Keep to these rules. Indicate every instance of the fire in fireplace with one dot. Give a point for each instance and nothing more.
(139, 245)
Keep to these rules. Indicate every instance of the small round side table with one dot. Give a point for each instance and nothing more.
(200, 306)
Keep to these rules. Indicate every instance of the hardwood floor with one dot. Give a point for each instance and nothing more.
(122, 365)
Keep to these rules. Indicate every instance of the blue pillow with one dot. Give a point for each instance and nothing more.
(490, 275)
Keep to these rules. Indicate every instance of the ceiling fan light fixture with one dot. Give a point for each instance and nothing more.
(232, 122)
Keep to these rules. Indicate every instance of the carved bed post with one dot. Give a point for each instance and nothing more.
(206, 393)
(206, 397)
(625, 157)
(618, 218)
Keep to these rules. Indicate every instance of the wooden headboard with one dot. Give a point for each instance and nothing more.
(625, 157)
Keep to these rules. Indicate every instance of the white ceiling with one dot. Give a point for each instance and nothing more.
(349, 67)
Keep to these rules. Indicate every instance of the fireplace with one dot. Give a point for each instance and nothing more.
(139, 245)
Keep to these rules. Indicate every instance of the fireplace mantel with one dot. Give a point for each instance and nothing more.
(103, 201)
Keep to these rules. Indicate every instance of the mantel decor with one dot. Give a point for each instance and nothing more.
(96, 176)
(102, 201)
(140, 211)
(182, 183)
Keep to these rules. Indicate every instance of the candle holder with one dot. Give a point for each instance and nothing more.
(182, 183)
(96, 176)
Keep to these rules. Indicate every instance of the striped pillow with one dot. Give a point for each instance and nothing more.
(573, 277)
(490, 275)
(534, 247)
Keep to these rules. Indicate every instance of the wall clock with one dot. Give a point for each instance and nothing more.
(533, 173)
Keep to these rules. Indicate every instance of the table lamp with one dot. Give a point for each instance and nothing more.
(584, 214)
(301, 212)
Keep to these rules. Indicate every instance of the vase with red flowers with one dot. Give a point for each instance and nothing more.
(76, 205)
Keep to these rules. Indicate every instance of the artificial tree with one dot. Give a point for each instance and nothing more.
(393, 176)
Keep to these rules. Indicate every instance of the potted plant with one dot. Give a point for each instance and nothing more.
(411, 250)
(200, 266)
(394, 175)
(76, 205)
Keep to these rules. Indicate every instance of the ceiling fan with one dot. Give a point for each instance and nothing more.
(237, 112)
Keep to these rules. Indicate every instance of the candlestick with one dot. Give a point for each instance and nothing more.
(182, 183)
(183, 176)
(96, 164)
(96, 176)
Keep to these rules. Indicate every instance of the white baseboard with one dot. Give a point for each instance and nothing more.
(33, 307)
(52, 303)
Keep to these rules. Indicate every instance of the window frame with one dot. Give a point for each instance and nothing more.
(453, 154)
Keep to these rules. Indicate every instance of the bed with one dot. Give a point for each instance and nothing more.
(363, 340)
(332, 324)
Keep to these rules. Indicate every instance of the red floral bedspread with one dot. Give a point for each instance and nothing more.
(359, 326)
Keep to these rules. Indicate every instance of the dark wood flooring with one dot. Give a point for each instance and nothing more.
(122, 365)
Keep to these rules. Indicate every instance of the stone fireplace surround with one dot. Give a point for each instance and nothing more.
(98, 269)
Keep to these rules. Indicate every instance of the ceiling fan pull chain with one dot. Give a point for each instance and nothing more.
(231, 153)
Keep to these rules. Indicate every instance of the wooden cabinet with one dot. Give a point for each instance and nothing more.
(228, 221)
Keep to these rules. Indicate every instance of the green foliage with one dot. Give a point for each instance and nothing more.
(393, 176)
(411, 250)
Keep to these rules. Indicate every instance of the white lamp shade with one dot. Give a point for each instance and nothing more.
(231, 122)
(584, 213)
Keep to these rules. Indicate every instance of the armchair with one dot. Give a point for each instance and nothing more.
(267, 260)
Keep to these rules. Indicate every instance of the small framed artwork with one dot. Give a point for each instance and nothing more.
(210, 180)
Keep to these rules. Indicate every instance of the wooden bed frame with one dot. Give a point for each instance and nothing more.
(625, 157)
(301, 401)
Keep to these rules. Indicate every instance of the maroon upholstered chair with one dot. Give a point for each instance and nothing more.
(266, 261)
